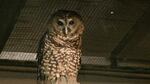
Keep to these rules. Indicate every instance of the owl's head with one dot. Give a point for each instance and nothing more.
(66, 23)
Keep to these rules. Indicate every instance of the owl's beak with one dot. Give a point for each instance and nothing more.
(65, 30)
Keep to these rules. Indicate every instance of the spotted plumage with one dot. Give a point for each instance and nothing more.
(60, 52)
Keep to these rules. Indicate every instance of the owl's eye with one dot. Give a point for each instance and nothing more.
(71, 22)
(60, 23)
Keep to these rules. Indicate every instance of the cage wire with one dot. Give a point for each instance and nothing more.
(106, 22)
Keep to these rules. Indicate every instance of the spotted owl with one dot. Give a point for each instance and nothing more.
(60, 53)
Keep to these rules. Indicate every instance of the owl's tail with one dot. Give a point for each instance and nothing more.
(61, 80)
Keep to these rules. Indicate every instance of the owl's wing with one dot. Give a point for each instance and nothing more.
(40, 48)
(40, 54)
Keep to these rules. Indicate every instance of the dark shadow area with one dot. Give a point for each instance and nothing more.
(9, 11)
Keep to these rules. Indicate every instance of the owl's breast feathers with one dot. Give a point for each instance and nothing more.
(61, 56)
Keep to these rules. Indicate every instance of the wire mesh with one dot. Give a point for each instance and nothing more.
(106, 21)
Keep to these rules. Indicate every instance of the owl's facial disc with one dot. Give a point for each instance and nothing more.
(68, 26)
(65, 26)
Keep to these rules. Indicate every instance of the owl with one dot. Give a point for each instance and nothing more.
(60, 53)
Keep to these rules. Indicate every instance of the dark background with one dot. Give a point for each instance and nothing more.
(116, 41)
